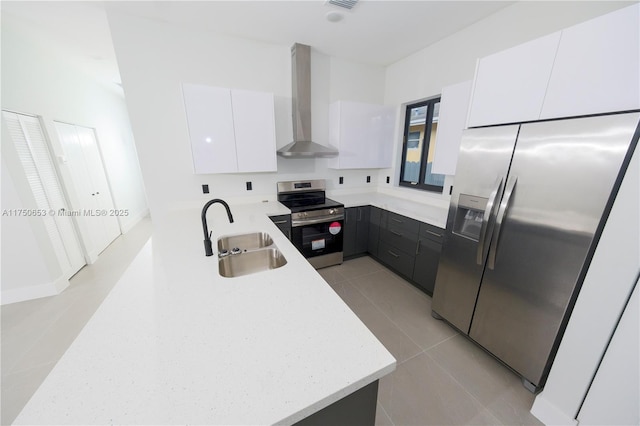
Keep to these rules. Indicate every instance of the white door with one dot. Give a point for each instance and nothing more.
(93, 197)
(100, 190)
(31, 146)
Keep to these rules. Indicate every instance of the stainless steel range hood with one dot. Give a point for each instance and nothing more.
(302, 146)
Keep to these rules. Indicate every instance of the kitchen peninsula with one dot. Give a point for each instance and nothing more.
(176, 343)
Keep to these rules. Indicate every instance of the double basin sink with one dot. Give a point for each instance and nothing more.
(246, 254)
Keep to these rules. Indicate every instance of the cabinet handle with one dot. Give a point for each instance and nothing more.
(418, 247)
(359, 215)
(393, 254)
(396, 233)
(397, 220)
(279, 222)
(435, 234)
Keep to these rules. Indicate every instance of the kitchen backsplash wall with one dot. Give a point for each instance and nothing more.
(155, 58)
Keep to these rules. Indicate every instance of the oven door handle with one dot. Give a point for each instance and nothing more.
(321, 219)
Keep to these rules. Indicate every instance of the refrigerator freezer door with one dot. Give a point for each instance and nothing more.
(483, 164)
(565, 173)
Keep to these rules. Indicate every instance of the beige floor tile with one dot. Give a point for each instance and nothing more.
(396, 342)
(419, 392)
(352, 297)
(332, 274)
(357, 267)
(382, 419)
(513, 407)
(406, 306)
(482, 375)
(494, 385)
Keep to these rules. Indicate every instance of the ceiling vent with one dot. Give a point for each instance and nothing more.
(345, 4)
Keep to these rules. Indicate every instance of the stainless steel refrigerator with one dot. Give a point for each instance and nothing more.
(529, 202)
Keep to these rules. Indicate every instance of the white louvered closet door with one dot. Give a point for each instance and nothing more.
(31, 145)
(91, 186)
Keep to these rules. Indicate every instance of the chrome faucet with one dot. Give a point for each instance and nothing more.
(207, 235)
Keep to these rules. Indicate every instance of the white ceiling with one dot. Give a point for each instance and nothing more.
(373, 32)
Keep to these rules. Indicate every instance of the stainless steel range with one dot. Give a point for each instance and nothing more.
(316, 221)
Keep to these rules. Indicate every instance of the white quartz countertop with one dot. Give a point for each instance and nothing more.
(433, 214)
(176, 343)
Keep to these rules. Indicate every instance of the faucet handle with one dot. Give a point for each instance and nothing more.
(208, 250)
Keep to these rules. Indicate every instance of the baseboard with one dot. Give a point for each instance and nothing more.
(133, 221)
(34, 291)
(549, 414)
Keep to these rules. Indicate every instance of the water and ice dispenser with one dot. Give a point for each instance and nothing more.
(469, 215)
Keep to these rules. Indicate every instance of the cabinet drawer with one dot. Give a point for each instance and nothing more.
(431, 232)
(399, 231)
(400, 239)
(398, 260)
(399, 222)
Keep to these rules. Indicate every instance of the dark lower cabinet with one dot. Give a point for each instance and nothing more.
(426, 266)
(356, 409)
(398, 260)
(375, 217)
(284, 223)
(356, 231)
(407, 246)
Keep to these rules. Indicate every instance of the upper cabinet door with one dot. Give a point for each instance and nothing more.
(363, 134)
(210, 121)
(510, 85)
(254, 124)
(454, 106)
(597, 68)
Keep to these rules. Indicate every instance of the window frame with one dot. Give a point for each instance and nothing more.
(426, 145)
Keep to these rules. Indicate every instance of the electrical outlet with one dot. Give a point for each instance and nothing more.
(388, 179)
(249, 186)
(450, 190)
(341, 180)
(205, 189)
(368, 179)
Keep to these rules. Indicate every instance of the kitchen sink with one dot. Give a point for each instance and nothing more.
(252, 241)
(250, 262)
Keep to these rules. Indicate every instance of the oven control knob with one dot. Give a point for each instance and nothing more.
(305, 214)
(332, 211)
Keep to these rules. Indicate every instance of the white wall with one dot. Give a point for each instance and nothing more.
(155, 58)
(453, 59)
(35, 80)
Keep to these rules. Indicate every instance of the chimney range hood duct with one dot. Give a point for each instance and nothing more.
(302, 146)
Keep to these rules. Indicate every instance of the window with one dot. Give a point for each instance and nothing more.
(418, 150)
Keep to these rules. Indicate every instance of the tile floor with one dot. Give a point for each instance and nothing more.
(36, 333)
(441, 377)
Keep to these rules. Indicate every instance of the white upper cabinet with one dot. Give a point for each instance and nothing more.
(362, 133)
(454, 106)
(597, 68)
(509, 86)
(254, 124)
(590, 68)
(230, 130)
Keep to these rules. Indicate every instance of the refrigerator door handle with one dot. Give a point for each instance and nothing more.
(502, 212)
(488, 213)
